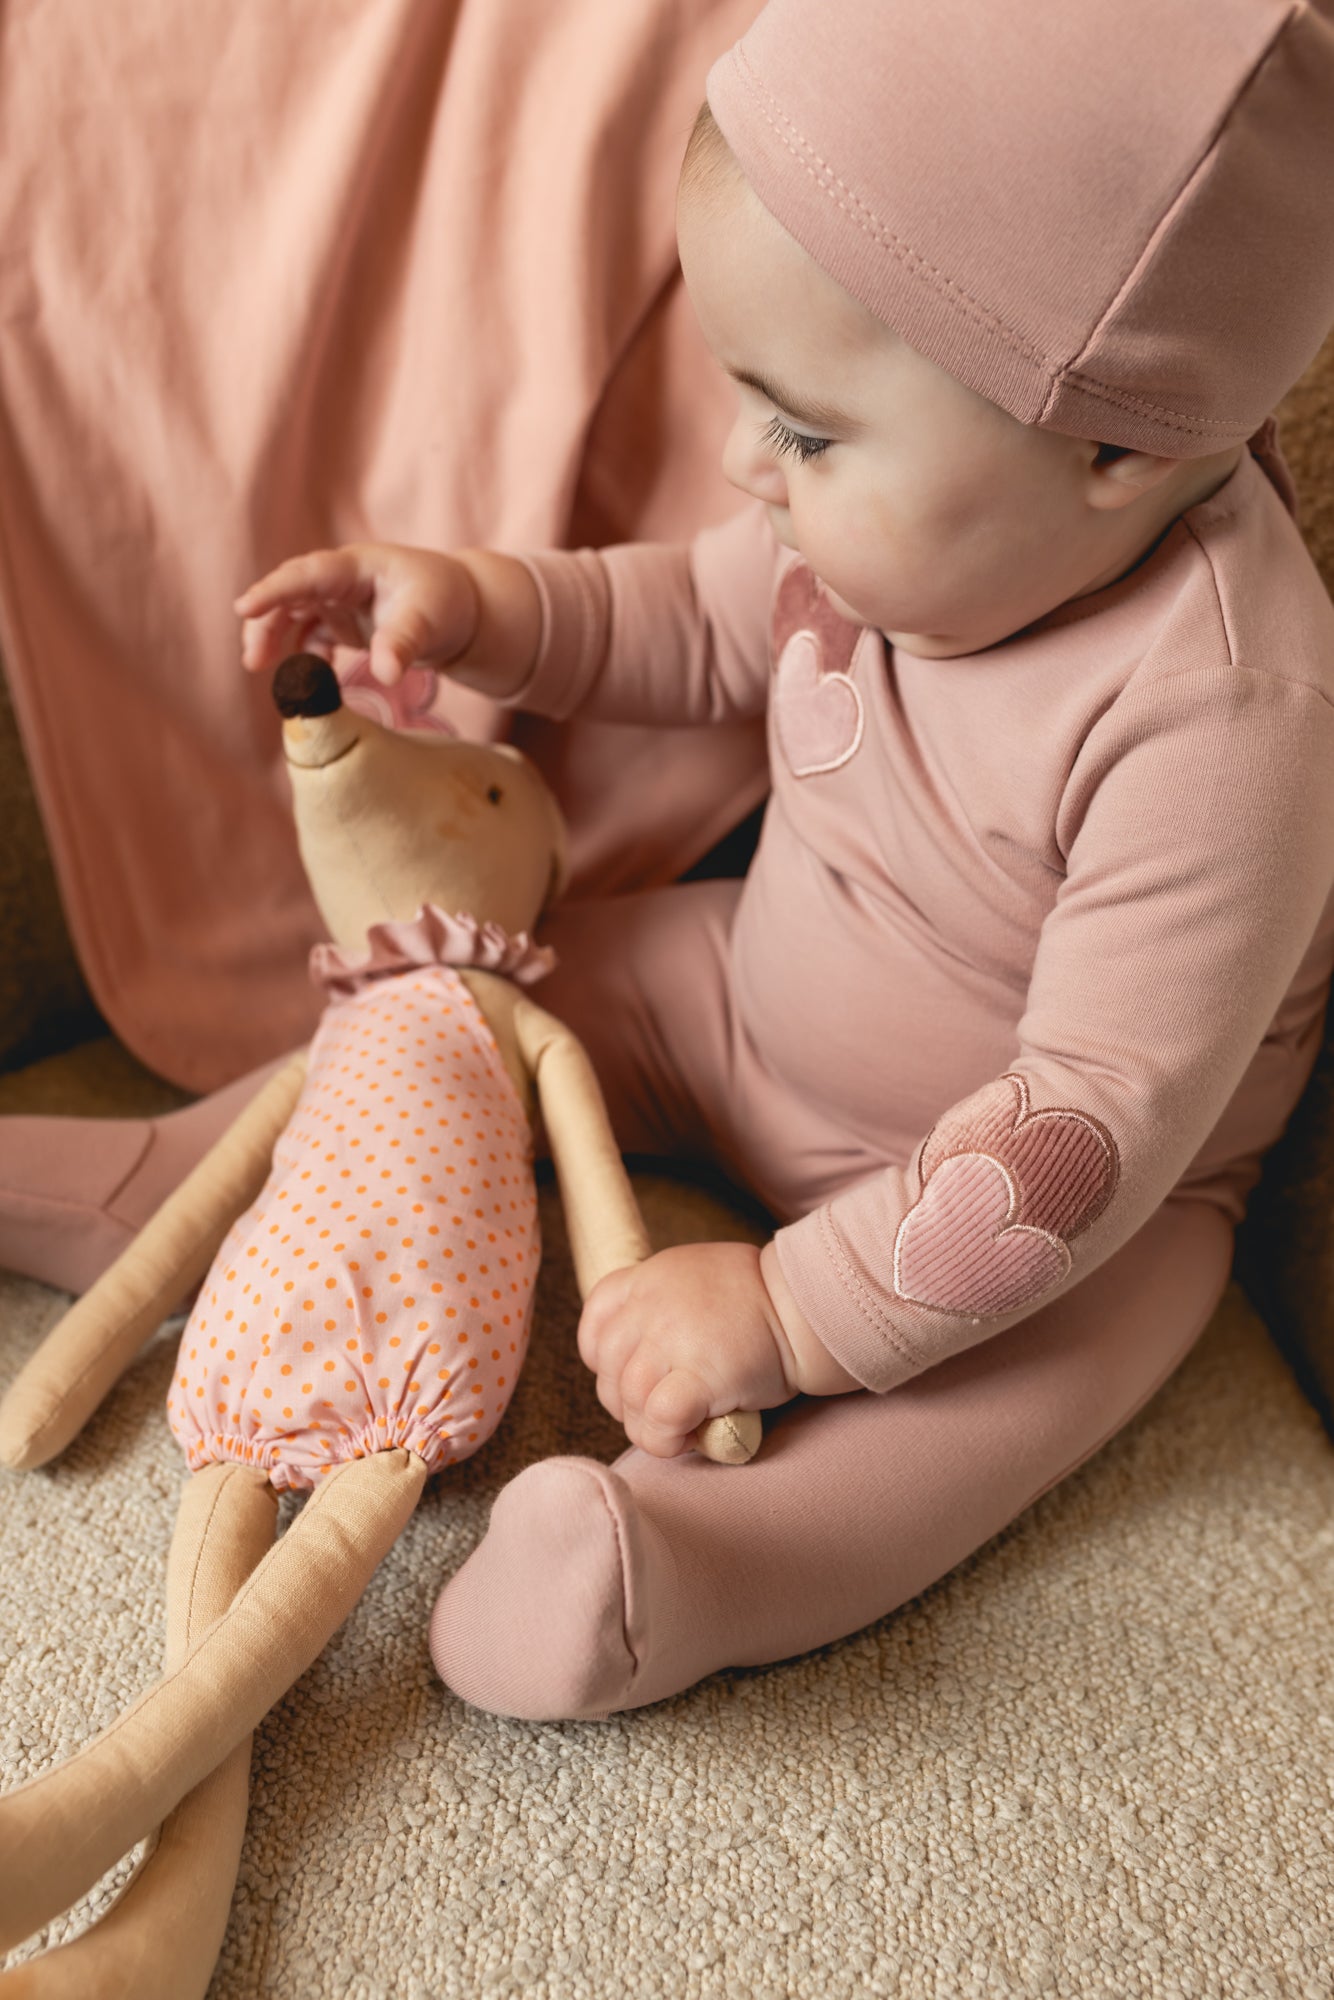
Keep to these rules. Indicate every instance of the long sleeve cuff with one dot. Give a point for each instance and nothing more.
(844, 1312)
(573, 591)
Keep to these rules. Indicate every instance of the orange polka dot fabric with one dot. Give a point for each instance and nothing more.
(379, 1292)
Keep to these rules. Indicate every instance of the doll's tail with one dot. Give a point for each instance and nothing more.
(60, 1832)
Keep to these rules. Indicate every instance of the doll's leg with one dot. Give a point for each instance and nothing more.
(602, 1588)
(73, 1191)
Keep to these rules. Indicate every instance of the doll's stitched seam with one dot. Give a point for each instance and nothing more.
(199, 1553)
(90, 1367)
(861, 1295)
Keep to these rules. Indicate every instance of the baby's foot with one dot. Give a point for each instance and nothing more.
(75, 1191)
(59, 1183)
(551, 1615)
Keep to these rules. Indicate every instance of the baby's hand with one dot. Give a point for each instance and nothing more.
(693, 1333)
(403, 604)
(478, 610)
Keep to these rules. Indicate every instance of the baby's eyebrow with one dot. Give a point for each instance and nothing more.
(806, 409)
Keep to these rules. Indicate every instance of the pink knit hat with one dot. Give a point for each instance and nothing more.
(1114, 218)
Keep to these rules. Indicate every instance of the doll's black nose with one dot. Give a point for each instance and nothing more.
(304, 684)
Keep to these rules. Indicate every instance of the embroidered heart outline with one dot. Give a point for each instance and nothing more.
(1004, 1189)
(809, 702)
(1008, 1261)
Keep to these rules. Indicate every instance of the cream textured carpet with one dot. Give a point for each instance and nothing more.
(1093, 1761)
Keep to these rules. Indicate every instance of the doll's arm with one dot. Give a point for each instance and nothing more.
(606, 1229)
(91, 1347)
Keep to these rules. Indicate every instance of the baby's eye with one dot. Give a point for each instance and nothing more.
(781, 437)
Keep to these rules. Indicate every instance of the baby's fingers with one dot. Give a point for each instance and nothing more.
(267, 640)
(672, 1413)
(605, 1333)
(323, 575)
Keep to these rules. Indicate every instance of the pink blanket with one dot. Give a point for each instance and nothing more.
(292, 274)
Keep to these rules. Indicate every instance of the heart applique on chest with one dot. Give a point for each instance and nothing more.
(816, 705)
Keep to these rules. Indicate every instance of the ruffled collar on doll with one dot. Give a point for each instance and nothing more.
(429, 938)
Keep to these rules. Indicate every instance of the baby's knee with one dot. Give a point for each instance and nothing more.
(534, 1623)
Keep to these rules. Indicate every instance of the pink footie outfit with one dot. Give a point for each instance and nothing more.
(379, 1291)
(1030, 965)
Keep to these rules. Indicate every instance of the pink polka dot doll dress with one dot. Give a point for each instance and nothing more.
(379, 1291)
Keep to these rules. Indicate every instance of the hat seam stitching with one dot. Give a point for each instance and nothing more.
(1175, 419)
(868, 221)
(1059, 374)
(1069, 371)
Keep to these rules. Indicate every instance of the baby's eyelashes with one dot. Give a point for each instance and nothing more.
(781, 438)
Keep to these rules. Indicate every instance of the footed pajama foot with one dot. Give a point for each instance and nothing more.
(561, 1610)
(75, 1191)
(60, 1179)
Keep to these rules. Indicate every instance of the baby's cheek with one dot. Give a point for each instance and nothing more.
(853, 528)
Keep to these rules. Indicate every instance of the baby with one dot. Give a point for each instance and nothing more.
(1030, 965)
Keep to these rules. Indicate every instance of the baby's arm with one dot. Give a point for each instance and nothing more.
(1198, 828)
(657, 632)
(643, 632)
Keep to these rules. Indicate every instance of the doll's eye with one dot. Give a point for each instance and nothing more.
(494, 793)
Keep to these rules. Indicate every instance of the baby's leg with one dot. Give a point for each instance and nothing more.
(602, 1588)
(73, 1191)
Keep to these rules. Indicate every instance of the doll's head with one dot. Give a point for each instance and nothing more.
(1006, 286)
(388, 821)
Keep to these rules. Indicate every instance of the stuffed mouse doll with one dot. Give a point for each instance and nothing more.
(368, 1227)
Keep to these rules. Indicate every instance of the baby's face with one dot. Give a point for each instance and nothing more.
(925, 510)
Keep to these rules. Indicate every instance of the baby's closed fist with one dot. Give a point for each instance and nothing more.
(689, 1334)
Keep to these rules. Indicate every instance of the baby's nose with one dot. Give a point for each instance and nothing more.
(749, 466)
(304, 684)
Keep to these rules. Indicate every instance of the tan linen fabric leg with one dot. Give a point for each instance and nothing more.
(59, 1832)
(161, 1939)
